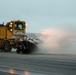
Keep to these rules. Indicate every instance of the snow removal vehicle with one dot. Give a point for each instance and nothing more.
(13, 35)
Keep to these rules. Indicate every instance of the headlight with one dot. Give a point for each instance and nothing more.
(26, 25)
(21, 39)
(10, 25)
(25, 30)
(11, 30)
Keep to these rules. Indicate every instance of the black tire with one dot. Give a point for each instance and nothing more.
(18, 51)
(6, 46)
(31, 48)
(25, 51)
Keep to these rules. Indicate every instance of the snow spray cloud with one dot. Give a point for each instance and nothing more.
(58, 41)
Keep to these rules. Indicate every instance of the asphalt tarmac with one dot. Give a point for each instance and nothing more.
(37, 64)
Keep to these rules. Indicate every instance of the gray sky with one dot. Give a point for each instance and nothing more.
(40, 14)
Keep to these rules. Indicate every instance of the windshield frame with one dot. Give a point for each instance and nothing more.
(17, 25)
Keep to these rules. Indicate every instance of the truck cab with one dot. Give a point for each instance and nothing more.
(12, 35)
(16, 29)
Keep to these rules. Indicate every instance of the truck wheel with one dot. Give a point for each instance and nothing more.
(6, 46)
(18, 51)
(30, 49)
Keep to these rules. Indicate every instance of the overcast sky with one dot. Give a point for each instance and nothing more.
(40, 14)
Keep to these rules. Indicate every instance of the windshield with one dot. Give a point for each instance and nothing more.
(19, 25)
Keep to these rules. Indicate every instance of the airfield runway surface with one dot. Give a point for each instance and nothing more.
(37, 64)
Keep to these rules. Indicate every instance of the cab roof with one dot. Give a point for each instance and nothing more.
(17, 21)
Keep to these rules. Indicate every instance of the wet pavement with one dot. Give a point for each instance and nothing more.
(35, 64)
(14, 72)
(6, 73)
